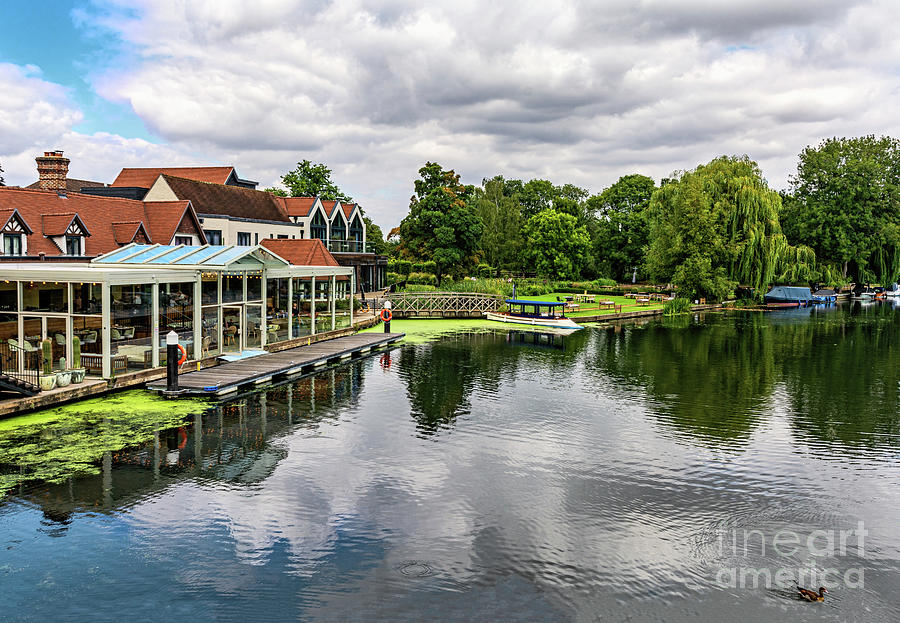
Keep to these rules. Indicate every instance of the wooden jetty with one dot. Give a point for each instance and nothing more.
(226, 378)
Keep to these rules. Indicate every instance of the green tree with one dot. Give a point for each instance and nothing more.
(440, 225)
(312, 180)
(501, 216)
(717, 226)
(2, 181)
(556, 246)
(374, 238)
(845, 204)
(622, 227)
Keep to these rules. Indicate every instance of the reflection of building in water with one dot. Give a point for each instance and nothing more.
(231, 442)
(536, 338)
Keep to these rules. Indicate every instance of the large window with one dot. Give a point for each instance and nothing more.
(185, 240)
(243, 239)
(213, 236)
(318, 228)
(12, 244)
(277, 310)
(132, 326)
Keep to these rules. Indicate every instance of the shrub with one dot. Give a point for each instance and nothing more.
(393, 278)
(677, 306)
(604, 282)
(418, 287)
(485, 271)
(404, 267)
(422, 279)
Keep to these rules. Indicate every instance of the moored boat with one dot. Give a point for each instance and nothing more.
(535, 314)
(824, 295)
(788, 296)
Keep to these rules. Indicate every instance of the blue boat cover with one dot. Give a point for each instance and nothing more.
(789, 293)
(541, 303)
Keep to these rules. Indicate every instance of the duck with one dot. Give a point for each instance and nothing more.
(810, 595)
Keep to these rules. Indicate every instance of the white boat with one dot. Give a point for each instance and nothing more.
(893, 291)
(534, 314)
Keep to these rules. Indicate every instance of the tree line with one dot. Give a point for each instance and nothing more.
(708, 230)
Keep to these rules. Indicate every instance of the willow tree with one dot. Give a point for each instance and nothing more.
(716, 227)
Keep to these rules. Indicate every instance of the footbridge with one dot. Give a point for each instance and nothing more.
(442, 304)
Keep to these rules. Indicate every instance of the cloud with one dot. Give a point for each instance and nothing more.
(574, 91)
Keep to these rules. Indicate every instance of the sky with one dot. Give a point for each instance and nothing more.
(571, 91)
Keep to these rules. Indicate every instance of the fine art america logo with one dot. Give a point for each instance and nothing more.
(810, 559)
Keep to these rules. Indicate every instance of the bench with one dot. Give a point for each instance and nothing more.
(94, 361)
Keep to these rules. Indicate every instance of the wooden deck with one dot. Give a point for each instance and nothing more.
(226, 378)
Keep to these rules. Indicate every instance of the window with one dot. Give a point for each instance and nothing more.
(185, 240)
(282, 236)
(256, 235)
(213, 236)
(73, 245)
(12, 244)
(243, 239)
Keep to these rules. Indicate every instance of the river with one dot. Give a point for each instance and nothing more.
(679, 469)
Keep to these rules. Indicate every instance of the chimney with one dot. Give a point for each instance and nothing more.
(52, 171)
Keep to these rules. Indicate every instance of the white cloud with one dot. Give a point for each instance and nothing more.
(573, 91)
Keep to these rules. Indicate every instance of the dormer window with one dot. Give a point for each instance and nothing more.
(74, 245)
(12, 244)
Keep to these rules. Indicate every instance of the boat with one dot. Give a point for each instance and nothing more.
(865, 293)
(788, 296)
(535, 314)
(824, 295)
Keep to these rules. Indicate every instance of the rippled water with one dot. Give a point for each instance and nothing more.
(485, 476)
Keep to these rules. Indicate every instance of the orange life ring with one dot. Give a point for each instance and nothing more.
(183, 354)
(385, 361)
(182, 438)
(386, 315)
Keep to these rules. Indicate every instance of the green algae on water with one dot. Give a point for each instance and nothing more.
(422, 330)
(55, 444)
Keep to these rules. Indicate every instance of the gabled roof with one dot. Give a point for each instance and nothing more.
(164, 217)
(220, 200)
(144, 177)
(348, 209)
(46, 211)
(7, 215)
(329, 208)
(311, 252)
(298, 206)
(58, 224)
(124, 232)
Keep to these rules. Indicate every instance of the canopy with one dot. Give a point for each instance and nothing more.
(527, 302)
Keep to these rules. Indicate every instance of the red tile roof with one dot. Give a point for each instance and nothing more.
(298, 206)
(144, 177)
(72, 185)
(124, 232)
(348, 209)
(218, 199)
(103, 217)
(58, 224)
(310, 252)
(329, 208)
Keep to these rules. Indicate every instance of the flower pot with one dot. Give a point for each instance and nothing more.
(63, 378)
(47, 382)
(78, 375)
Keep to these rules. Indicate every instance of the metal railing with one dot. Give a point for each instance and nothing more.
(30, 367)
(346, 246)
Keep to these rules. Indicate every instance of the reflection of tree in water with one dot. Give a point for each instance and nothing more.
(707, 381)
(231, 442)
(844, 388)
(441, 376)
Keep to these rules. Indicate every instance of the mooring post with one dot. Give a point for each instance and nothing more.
(386, 316)
(172, 357)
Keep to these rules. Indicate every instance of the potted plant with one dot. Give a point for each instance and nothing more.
(77, 371)
(63, 377)
(47, 379)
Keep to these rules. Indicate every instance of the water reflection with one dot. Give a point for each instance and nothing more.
(485, 476)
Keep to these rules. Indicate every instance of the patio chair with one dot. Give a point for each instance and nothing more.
(90, 338)
(204, 346)
(60, 339)
(115, 334)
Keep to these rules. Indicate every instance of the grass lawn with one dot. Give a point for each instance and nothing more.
(591, 309)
